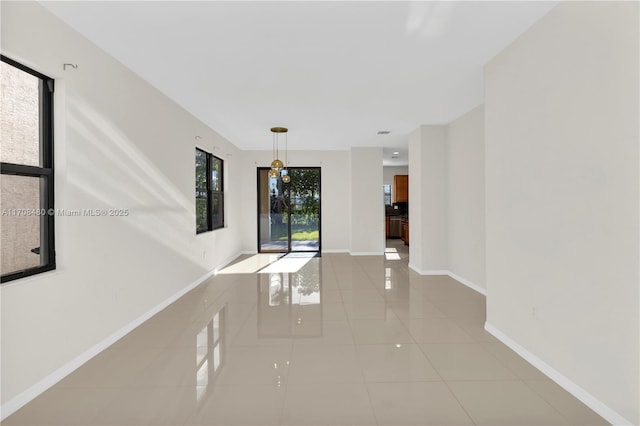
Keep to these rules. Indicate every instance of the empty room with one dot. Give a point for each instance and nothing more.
(320, 213)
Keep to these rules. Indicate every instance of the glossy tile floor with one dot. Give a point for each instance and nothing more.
(344, 340)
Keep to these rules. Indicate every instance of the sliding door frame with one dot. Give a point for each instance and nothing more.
(288, 190)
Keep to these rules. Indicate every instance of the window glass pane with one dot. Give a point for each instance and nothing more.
(216, 178)
(217, 212)
(20, 115)
(201, 169)
(20, 222)
(201, 214)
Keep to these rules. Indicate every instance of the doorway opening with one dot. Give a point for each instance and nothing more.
(289, 217)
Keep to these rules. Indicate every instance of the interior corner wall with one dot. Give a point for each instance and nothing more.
(119, 144)
(465, 198)
(562, 159)
(428, 200)
(367, 206)
(415, 200)
(335, 195)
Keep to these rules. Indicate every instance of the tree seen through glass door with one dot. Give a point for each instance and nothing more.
(289, 213)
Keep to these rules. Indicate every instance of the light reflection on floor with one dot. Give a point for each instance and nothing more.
(343, 340)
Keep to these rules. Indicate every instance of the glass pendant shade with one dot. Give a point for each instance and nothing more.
(277, 165)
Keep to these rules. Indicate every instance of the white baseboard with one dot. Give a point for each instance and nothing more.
(589, 400)
(366, 253)
(458, 278)
(428, 271)
(335, 251)
(471, 285)
(413, 267)
(435, 272)
(20, 400)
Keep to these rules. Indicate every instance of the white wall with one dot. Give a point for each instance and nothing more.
(562, 199)
(367, 209)
(428, 200)
(465, 198)
(119, 144)
(335, 195)
(416, 172)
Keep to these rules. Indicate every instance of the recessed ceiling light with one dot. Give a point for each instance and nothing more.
(396, 153)
(384, 132)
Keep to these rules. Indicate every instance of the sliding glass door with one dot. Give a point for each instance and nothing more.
(289, 213)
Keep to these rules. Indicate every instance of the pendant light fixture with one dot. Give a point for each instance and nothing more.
(277, 166)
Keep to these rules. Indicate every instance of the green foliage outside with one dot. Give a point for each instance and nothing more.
(201, 190)
(302, 198)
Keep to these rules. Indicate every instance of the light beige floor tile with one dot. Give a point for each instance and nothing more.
(307, 312)
(394, 290)
(369, 294)
(327, 404)
(395, 363)
(323, 333)
(109, 368)
(437, 330)
(421, 403)
(135, 368)
(513, 361)
(465, 361)
(361, 309)
(416, 308)
(444, 288)
(505, 403)
(175, 367)
(329, 283)
(238, 405)
(59, 406)
(271, 331)
(463, 307)
(333, 312)
(260, 365)
(330, 296)
(242, 293)
(147, 406)
(238, 313)
(475, 328)
(325, 364)
(332, 362)
(571, 408)
(379, 331)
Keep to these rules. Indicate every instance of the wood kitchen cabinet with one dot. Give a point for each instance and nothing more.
(405, 230)
(401, 188)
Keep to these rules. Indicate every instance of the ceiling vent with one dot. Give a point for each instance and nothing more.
(384, 132)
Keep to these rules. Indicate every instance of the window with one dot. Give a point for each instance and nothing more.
(387, 194)
(26, 167)
(209, 192)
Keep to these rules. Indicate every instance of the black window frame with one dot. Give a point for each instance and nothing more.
(45, 171)
(211, 225)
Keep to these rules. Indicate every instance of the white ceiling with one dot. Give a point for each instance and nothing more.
(334, 73)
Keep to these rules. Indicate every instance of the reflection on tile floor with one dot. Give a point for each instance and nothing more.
(344, 340)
